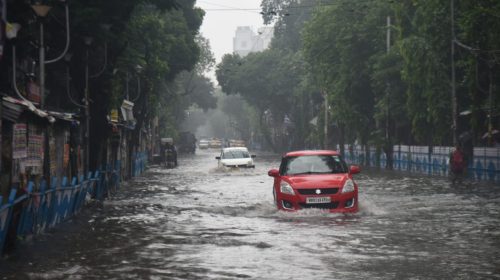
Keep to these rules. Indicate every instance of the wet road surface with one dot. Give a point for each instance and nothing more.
(199, 222)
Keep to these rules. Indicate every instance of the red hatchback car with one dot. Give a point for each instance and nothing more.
(315, 179)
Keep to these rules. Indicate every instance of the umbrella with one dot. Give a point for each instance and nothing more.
(493, 132)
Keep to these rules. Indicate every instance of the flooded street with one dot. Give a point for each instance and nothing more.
(198, 222)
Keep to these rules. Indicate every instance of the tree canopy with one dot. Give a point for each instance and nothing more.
(386, 82)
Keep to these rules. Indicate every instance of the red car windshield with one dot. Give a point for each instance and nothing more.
(313, 164)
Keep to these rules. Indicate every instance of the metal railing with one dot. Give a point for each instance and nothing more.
(485, 163)
(43, 206)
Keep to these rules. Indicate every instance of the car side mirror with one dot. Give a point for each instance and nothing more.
(354, 169)
(273, 173)
(217, 158)
(254, 156)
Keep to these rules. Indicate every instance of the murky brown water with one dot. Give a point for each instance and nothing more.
(197, 222)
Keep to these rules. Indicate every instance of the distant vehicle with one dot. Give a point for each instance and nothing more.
(168, 153)
(203, 144)
(236, 143)
(187, 142)
(215, 143)
(315, 179)
(236, 157)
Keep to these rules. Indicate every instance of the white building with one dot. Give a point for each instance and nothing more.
(246, 41)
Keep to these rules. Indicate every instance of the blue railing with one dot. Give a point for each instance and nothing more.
(44, 206)
(485, 164)
(5, 217)
(139, 163)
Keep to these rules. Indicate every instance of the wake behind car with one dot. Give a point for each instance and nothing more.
(235, 157)
(315, 179)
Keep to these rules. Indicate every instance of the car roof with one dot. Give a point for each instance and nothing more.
(311, 153)
(235, 149)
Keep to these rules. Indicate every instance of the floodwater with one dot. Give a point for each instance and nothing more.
(199, 222)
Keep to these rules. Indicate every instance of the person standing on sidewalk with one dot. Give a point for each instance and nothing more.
(457, 165)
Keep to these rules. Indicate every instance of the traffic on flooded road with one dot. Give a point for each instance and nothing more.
(198, 221)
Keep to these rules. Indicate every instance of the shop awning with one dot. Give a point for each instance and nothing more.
(13, 108)
(70, 117)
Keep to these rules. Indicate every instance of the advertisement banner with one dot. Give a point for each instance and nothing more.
(19, 141)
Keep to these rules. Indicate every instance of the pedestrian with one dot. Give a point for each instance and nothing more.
(457, 165)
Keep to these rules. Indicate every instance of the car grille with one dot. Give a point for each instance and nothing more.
(331, 205)
(313, 191)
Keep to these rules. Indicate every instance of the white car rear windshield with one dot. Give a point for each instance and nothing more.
(235, 154)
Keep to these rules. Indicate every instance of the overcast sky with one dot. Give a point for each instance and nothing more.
(221, 19)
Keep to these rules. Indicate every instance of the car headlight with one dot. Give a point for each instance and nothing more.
(286, 188)
(348, 186)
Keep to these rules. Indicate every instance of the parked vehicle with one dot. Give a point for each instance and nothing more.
(235, 157)
(315, 179)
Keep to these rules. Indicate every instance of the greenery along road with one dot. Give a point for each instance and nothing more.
(159, 36)
(378, 94)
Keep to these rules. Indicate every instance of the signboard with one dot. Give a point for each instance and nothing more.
(114, 115)
(33, 92)
(19, 141)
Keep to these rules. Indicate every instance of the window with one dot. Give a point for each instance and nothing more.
(235, 154)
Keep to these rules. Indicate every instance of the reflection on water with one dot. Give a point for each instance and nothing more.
(201, 222)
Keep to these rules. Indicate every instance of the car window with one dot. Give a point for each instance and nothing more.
(313, 164)
(235, 154)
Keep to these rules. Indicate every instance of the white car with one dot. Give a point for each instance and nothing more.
(235, 157)
(203, 144)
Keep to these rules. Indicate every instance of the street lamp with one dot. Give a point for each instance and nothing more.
(67, 59)
(86, 102)
(138, 69)
(41, 11)
(106, 27)
(11, 33)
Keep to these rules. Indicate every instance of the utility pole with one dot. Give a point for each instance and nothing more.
(87, 113)
(88, 41)
(453, 89)
(388, 141)
(41, 50)
(388, 44)
(388, 38)
(490, 111)
(325, 140)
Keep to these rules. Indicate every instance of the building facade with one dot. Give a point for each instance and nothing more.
(246, 40)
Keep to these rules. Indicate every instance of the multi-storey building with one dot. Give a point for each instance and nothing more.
(246, 40)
